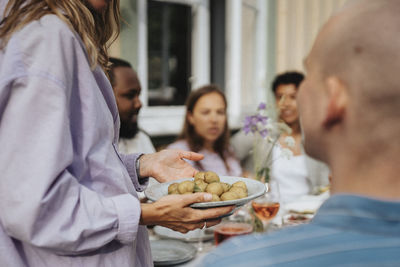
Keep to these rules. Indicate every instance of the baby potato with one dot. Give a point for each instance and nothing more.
(229, 196)
(215, 198)
(239, 191)
(226, 187)
(215, 188)
(173, 189)
(186, 187)
(199, 175)
(240, 184)
(200, 185)
(211, 177)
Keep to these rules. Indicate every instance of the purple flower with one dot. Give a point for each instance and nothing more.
(261, 106)
(254, 120)
(253, 123)
(250, 124)
(264, 133)
(247, 124)
(261, 118)
(246, 129)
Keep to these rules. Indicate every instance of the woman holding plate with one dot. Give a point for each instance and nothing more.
(67, 196)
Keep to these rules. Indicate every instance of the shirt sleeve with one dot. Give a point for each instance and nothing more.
(130, 164)
(42, 200)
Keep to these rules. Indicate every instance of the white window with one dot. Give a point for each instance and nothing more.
(174, 44)
(229, 34)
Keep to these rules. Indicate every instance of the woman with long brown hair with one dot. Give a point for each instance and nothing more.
(206, 131)
(67, 197)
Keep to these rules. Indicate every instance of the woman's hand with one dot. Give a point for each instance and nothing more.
(168, 165)
(173, 211)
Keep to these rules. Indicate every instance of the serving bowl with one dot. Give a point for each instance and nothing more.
(254, 189)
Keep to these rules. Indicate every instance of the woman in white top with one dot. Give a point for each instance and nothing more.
(300, 174)
(291, 173)
(206, 131)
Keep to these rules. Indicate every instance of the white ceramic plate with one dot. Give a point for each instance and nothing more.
(307, 204)
(254, 188)
(170, 252)
(191, 236)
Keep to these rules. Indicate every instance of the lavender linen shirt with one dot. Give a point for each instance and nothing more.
(67, 198)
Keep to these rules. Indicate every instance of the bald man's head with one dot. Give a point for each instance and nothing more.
(361, 46)
(358, 52)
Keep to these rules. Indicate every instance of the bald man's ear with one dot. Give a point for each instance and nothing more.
(337, 101)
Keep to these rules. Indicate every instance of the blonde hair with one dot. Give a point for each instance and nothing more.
(97, 30)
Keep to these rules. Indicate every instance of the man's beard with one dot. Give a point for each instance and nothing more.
(128, 130)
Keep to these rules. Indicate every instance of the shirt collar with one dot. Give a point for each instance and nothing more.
(360, 213)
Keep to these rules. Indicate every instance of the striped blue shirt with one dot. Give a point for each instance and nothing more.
(347, 230)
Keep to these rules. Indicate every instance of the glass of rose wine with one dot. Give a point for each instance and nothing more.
(226, 230)
(267, 206)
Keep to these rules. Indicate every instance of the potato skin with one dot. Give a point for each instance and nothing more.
(200, 185)
(215, 198)
(211, 177)
(199, 175)
(240, 191)
(226, 187)
(240, 184)
(215, 188)
(186, 187)
(210, 182)
(229, 196)
(173, 189)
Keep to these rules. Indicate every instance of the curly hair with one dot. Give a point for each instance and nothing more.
(290, 77)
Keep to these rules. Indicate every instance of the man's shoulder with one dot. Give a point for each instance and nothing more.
(142, 134)
(140, 143)
(260, 248)
(307, 245)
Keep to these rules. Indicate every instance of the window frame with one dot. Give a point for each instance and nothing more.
(166, 120)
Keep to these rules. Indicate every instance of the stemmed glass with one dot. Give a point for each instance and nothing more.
(267, 206)
(200, 238)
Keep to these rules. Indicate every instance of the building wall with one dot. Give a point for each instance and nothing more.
(272, 36)
(298, 22)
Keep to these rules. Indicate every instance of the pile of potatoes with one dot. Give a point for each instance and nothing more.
(209, 182)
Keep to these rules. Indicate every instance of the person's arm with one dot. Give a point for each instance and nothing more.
(41, 200)
(168, 165)
(164, 166)
(131, 163)
(173, 211)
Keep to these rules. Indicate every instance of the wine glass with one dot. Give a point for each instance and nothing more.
(267, 206)
(201, 231)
